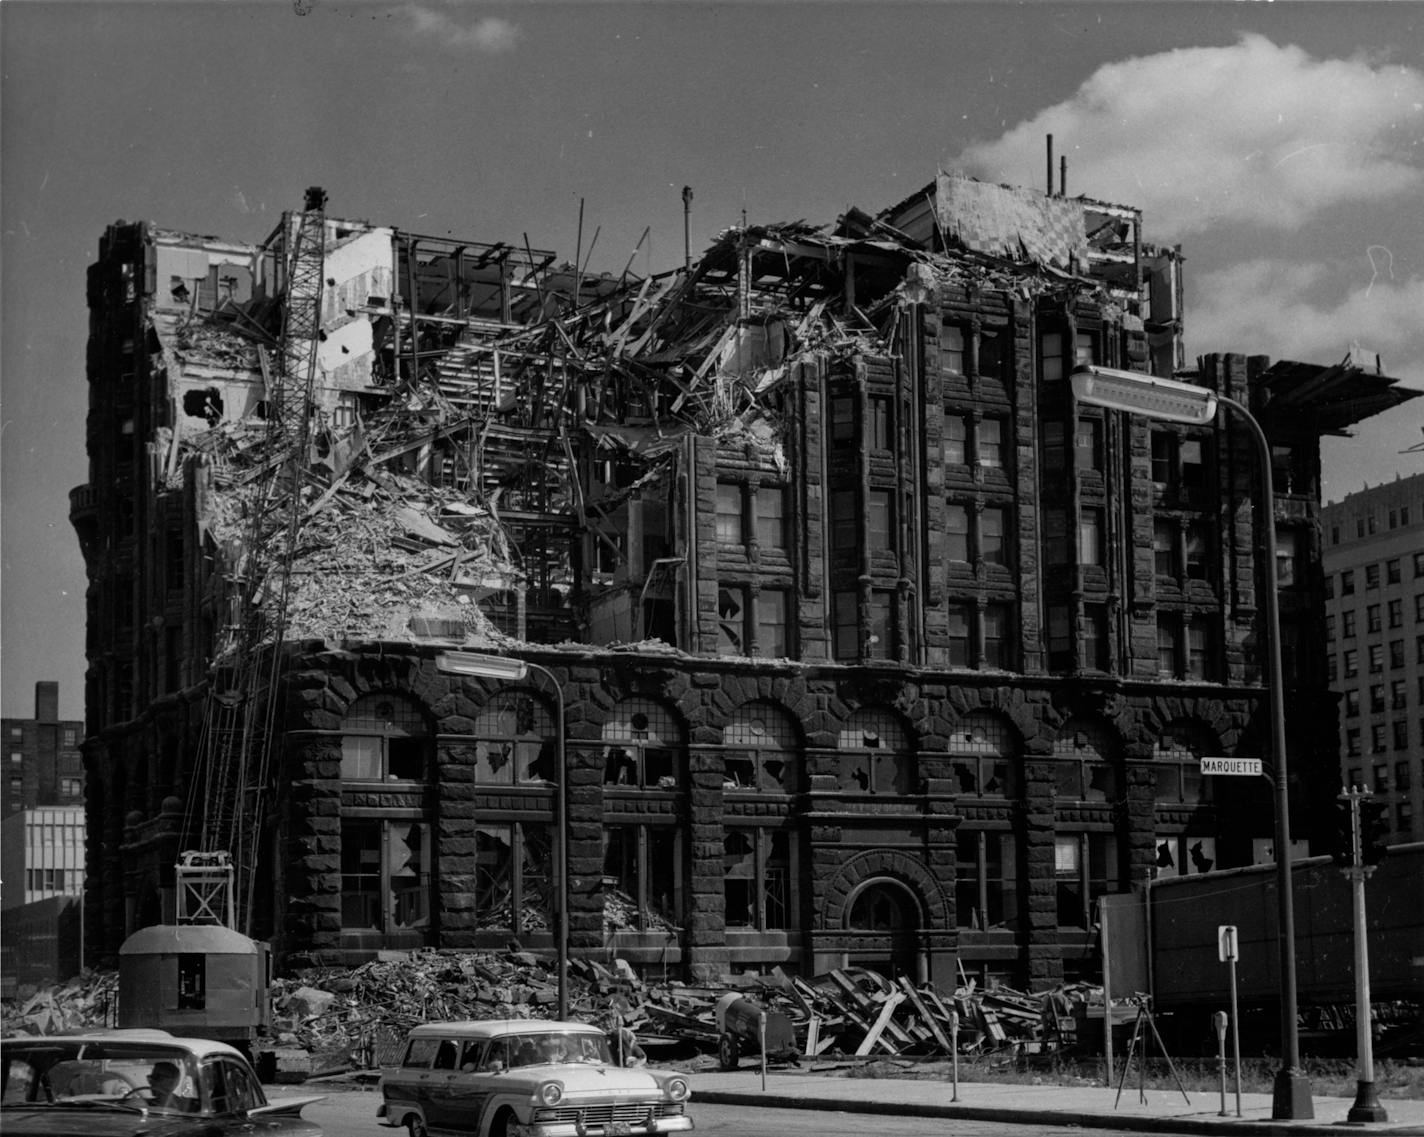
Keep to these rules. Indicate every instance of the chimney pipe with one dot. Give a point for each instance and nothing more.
(1050, 165)
(1063, 176)
(686, 230)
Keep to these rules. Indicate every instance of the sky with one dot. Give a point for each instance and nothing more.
(1281, 145)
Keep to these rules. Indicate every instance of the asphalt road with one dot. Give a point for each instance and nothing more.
(352, 1113)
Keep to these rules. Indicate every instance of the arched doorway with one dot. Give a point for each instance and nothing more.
(884, 918)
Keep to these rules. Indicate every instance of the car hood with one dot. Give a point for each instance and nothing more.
(580, 1078)
(92, 1121)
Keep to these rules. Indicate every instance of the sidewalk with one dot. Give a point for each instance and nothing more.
(1044, 1105)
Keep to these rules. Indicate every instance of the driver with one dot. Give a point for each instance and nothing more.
(552, 1049)
(163, 1080)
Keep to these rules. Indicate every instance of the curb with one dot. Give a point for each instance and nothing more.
(1135, 1122)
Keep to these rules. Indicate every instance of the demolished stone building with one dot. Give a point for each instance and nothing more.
(872, 647)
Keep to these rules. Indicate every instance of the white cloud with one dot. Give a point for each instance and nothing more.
(1254, 132)
(451, 25)
(1270, 308)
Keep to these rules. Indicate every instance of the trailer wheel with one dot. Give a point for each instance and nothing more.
(415, 1124)
(729, 1051)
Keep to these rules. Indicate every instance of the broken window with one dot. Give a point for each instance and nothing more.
(1086, 866)
(762, 750)
(986, 880)
(512, 877)
(1086, 760)
(643, 872)
(981, 750)
(876, 756)
(1060, 638)
(993, 353)
(756, 866)
(384, 738)
(645, 746)
(516, 741)
(385, 875)
(732, 621)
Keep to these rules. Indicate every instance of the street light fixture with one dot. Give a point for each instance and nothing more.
(1183, 402)
(504, 667)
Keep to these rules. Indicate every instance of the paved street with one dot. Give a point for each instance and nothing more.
(351, 1113)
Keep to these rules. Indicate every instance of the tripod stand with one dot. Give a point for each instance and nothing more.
(1139, 1038)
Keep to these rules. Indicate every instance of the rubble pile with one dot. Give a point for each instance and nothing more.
(329, 1019)
(88, 1000)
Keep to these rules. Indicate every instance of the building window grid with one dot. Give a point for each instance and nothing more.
(643, 746)
(761, 750)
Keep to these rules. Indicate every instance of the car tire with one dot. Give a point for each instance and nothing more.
(729, 1051)
(499, 1127)
(415, 1124)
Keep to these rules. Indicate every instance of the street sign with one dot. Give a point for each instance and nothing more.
(1245, 767)
(1226, 943)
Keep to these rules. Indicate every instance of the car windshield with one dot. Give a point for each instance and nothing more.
(553, 1047)
(155, 1077)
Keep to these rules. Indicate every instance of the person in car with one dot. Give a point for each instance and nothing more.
(163, 1080)
(553, 1049)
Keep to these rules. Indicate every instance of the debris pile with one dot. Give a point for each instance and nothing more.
(329, 1020)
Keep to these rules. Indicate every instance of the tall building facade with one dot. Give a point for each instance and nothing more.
(43, 762)
(1374, 588)
(41, 843)
(845, 634)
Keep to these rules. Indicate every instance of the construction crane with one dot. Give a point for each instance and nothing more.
(231, 787)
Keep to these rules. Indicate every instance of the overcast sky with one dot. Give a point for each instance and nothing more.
(1282, 145)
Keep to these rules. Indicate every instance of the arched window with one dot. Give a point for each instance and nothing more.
(878, 756)
(645, 746)
(1086, 762)
(884, 906)
(385, 738)
(1176, 759)
(517, 741)
(762, 750)
(981, 752)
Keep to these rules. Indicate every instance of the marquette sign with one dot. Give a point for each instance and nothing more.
(1247, 767)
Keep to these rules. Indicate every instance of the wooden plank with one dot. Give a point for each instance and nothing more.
(925, 1013)
(877, 1030)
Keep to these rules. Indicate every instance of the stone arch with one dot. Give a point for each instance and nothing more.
(883, 864)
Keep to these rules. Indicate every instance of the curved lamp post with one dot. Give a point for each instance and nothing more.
(1174, 401)
(505, 667)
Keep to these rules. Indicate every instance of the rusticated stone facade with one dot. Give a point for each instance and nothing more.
(886, 652)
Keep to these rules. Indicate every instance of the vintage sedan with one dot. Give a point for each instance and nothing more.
(137, 1083)
(525, 1078)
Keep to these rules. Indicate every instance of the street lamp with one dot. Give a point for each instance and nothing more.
(1182, 402)
(504, 667)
